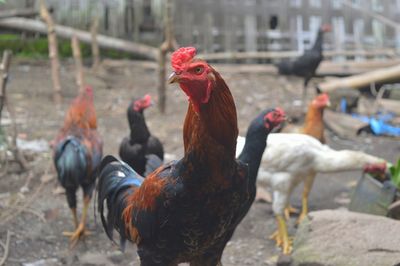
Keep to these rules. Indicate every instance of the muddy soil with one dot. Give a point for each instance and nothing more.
(37, 229)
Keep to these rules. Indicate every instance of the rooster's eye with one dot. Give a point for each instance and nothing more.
(198, 70)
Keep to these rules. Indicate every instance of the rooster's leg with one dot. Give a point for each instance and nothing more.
(306, 191)
(75, 218)
(284, 242)
(80, 230)
(289, 210)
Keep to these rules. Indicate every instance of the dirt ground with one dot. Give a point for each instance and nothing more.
(36, 230)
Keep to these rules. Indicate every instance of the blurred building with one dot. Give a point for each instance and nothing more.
(238, 25)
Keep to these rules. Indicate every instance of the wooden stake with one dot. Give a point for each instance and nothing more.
(53, 52)
(95, 45)
(168, 45)
(4, 70)
(76, 50)
(4, 67)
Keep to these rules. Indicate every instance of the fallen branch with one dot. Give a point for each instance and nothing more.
(24, 12)
(6, 248)
(361, 80)
(84, 36)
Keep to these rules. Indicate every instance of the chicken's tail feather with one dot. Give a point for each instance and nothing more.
(71, 162)
(117, 181)
(152, 163)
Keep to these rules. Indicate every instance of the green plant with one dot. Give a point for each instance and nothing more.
(395, 173)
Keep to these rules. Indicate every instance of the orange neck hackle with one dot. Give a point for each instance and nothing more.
(314, 124)
(81, 113)
(210, 129)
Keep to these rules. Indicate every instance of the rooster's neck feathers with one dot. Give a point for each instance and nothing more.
(210, 136)
(313, 124)
(137, 124)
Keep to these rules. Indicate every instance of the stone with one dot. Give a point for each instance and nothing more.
(340, 237)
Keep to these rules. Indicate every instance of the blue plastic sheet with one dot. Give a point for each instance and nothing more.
(377, 123)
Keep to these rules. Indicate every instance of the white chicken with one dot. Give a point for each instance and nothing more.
(293, 158)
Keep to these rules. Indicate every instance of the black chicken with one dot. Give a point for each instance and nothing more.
(306, 65)
(142, 151)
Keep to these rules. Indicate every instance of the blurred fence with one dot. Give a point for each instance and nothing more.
(235, 25)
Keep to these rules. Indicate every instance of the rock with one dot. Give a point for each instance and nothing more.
(340, 237)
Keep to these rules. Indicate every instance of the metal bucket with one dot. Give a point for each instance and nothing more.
(372, 196)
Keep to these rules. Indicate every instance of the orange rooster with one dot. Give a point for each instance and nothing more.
(187, 210)
(77, 153)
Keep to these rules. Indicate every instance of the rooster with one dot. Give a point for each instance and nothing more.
(292, 158)
(306, 65)
(77, 153)
(186, 210)
(142, 151)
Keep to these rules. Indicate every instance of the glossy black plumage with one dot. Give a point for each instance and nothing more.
(254, 147)
(139, 143)
(75, 167)
(306, 65)
(184, 218)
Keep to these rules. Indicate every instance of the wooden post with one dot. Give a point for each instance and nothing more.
(4, 69)
(95, 44)
(168, 45)
(53, 52)
(76, 50)
(5, 65)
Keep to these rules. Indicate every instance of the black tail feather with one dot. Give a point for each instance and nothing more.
(152, 163)
(116, 183)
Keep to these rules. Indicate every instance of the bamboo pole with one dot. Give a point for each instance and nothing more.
(168, 45)
(95, 44)
(53, 52)
(83, 36)
(361, 80)
(76, 50)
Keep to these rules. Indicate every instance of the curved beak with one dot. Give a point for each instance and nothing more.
(173, 78)
(328, 104)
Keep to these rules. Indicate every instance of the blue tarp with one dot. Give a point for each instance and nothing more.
(377, 123)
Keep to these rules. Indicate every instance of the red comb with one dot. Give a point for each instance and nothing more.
(323, 96)
(280, 110)
(182, 56)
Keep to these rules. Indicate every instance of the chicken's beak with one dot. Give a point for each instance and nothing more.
(173, 78)
(328, 104)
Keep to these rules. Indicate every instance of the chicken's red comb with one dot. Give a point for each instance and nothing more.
(88, 90)
(182, 56)
(280, 111)
(323, 97)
